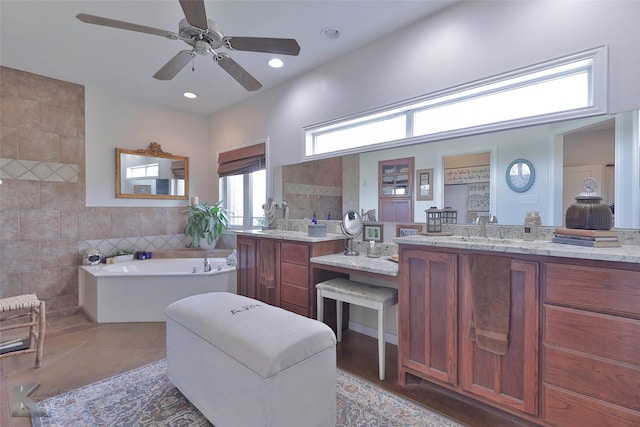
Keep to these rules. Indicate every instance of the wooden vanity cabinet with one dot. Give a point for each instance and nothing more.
(434, 315)
(591, 345)
(278, 271)
(509, 380)
(247, 273)
(427, 316)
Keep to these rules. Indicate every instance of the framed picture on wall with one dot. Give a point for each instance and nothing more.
(424, 184)
(372, 231)
(141, 189)
(403, 230)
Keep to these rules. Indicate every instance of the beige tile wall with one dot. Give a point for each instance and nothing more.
(43, 219)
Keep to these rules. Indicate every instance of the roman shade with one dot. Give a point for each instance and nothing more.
(242, 160)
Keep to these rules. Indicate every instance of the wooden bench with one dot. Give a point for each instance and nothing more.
(371, 296)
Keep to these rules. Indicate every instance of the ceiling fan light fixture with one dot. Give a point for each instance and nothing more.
(330, 33)
(275, 63)
(190, 95)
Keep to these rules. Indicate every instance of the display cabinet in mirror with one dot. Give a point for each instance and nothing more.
(151, 174)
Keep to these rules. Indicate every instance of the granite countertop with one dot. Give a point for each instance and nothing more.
(290, 235)
(382, 265)
(625, 253)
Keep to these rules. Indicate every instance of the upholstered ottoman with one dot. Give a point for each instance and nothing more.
(245, 363)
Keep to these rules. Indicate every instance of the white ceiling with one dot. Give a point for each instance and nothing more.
(44, 37)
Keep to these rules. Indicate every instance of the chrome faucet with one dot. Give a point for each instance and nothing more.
(207, 265)
(482, 221)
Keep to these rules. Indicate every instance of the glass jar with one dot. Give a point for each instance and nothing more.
(589, 212)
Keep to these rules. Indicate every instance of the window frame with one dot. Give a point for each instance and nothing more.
(598, 95)
(248, 189)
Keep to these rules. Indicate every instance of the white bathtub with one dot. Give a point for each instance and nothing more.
(139, 291)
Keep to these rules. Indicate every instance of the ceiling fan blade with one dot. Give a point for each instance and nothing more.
(195, 13)
(263, 44)
(107, 22)
(175, 64)
(237, 72)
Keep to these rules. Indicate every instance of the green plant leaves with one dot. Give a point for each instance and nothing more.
(206, 221)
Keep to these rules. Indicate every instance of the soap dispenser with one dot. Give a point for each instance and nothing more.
(314, 219)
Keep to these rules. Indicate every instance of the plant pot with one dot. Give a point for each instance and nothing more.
(206, 246)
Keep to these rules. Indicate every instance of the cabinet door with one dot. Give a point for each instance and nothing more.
(396, 210)
(395, 196)
(247, 269)
(511, 380)
(427, 322)
(268, 257)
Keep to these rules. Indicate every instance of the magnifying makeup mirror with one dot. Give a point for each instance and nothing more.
(351, 227)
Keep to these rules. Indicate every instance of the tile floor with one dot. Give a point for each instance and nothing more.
(78, 352)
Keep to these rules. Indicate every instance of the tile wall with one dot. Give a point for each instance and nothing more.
(44, 223)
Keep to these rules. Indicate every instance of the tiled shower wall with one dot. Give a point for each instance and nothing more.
(43, 219)
(313, 187)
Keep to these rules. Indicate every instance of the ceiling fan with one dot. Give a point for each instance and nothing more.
(204, 36)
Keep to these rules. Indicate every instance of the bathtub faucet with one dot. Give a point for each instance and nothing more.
(207, 265)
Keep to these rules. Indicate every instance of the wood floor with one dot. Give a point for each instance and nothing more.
(78, 352)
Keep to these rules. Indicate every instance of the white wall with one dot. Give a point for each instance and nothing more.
(112, 122)
(467, 42)
(531, 143)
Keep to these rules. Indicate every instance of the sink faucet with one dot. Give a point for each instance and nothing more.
(482, 221)
(207, 265)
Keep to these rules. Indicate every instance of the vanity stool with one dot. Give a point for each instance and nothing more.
(243, 362)
(371, 296)
(27, 311)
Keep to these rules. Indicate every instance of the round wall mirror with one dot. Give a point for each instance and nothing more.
(351, 227)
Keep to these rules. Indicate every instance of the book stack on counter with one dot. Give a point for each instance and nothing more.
(589, 238)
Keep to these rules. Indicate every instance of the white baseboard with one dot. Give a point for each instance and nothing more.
(372, 332)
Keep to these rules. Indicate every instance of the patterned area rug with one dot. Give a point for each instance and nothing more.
(146, 397)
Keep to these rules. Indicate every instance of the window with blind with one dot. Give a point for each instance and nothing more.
(243, 185)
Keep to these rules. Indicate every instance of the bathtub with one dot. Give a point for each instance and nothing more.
(139, 291)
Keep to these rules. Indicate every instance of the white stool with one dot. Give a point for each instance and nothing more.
(362, 294)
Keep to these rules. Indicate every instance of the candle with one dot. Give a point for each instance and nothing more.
(195, 200)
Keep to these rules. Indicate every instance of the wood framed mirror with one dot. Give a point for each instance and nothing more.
(151, 174)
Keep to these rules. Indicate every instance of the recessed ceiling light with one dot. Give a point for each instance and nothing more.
(190, 95)
(330, 33)
(275, 63)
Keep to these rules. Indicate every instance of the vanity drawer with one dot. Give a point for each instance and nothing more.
(293, 294)
(294, 252)
(563, 408)
(294, 273)
(602, 289)
(613, 337)
(609, 381)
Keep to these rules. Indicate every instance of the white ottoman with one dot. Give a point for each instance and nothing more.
(245, 363)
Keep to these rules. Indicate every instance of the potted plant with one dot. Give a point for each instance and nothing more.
(122, 255)
(206, 221)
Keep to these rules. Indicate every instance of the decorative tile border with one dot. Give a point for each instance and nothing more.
(144, 243)
(38, 171)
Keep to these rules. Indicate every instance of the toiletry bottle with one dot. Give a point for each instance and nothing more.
(314, 219)
(373, 251)
(329, 216)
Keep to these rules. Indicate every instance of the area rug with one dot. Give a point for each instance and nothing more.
(146, 397)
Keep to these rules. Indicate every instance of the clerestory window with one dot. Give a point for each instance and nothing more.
(569, 87)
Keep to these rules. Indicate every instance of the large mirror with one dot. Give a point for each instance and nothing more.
(562, 153)
(151, 174)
